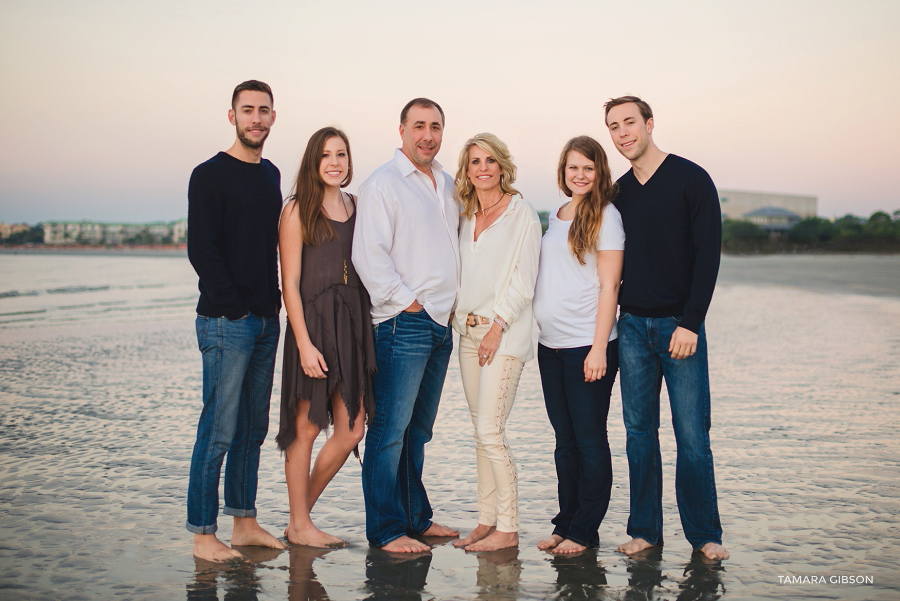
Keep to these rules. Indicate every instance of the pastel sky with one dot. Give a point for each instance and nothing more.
(108, 105)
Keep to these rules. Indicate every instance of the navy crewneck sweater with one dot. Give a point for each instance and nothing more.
(233, 211)
(673, 239)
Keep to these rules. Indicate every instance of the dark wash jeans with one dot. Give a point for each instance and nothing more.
(412, 352)
(645, 361)
(578, 412)
(238, 363)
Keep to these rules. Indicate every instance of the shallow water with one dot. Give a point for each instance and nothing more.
(100, 396)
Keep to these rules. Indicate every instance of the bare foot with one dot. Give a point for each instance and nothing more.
(405, 544)
(210, 548)
(635, 545)
(437, 530)
(568, 546)
(495, 540)
(311, 536)
(714, 551)
(476, 535)
(550, 543)
(248, 533)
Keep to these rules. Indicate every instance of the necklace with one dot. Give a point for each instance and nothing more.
(486, 209)
(344, 253)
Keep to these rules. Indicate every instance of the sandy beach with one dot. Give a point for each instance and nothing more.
(100, 382)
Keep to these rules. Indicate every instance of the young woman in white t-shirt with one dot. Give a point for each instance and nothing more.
(575, 306)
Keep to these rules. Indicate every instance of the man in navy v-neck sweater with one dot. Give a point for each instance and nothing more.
(234, 202)
(673, 236)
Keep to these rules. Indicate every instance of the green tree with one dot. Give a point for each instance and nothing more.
(849, 227)
(738, 233)
(812, 230)
(880, 226)
(34, 235)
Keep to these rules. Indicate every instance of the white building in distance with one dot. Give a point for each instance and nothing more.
(90, 232)
(737, 204)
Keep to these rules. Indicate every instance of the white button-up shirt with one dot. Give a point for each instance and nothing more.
(406, 243)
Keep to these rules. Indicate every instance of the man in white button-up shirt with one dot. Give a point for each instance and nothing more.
(406, 252)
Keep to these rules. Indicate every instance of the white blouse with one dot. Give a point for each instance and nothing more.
(567, 292)
(498, 272)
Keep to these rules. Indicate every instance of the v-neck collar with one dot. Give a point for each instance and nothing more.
(473, 240)
(652, 175)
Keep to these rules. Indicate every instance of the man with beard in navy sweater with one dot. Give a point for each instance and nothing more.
(234, 202)
(673, 236)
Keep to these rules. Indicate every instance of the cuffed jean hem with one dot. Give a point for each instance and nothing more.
(239, 513)
(201, 529)
(422, 533)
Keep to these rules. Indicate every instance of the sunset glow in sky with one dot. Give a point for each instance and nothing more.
(109, 105)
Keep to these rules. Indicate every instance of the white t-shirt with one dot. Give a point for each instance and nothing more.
(566, 294)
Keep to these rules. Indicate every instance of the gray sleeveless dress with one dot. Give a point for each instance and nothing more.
(336, 307)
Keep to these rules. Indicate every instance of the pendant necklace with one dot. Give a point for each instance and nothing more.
(343, 251)
(486, 209)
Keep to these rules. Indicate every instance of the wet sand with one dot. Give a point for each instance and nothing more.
(99, 410)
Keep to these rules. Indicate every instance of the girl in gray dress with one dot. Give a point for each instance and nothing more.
(329, 353)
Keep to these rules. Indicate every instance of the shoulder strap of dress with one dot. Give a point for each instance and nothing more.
(353, 199)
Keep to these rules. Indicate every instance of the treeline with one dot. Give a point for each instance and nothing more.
(33, 235)
(879, 233)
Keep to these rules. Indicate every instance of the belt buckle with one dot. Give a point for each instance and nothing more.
(476, 320)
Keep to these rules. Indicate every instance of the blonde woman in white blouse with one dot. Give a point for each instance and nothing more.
(499, 247)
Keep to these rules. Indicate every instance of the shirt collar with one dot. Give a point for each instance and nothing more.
(405, 166)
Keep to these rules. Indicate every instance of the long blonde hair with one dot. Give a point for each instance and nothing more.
(589, 215)
(491, 144)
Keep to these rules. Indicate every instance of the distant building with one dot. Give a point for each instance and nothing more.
(8, 229)
(736, 204)
(772, 219)
(90, 232)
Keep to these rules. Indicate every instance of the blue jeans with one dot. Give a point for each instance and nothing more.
(238, 363)
(578, 412)
(644, 361)
(412, 352)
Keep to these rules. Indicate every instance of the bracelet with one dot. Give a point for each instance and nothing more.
(503, 326)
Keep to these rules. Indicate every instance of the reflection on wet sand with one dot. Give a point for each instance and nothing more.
(499, 573)
(580, 576)
(98, 419)
(645, 575)
(238, 578)
(303, 584)
(396, 576)
(701, 578)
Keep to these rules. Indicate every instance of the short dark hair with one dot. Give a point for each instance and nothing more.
(646, 111)
(254, 86)
(423, 102)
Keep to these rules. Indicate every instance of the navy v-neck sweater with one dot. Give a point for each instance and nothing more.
(673, 239)
(233, 211)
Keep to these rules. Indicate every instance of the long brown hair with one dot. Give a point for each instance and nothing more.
(589, 214)
(309, 190)
(494, 146)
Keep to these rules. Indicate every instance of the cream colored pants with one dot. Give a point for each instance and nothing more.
(490, 391)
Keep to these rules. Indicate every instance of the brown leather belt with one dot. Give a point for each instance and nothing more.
(477, 320)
